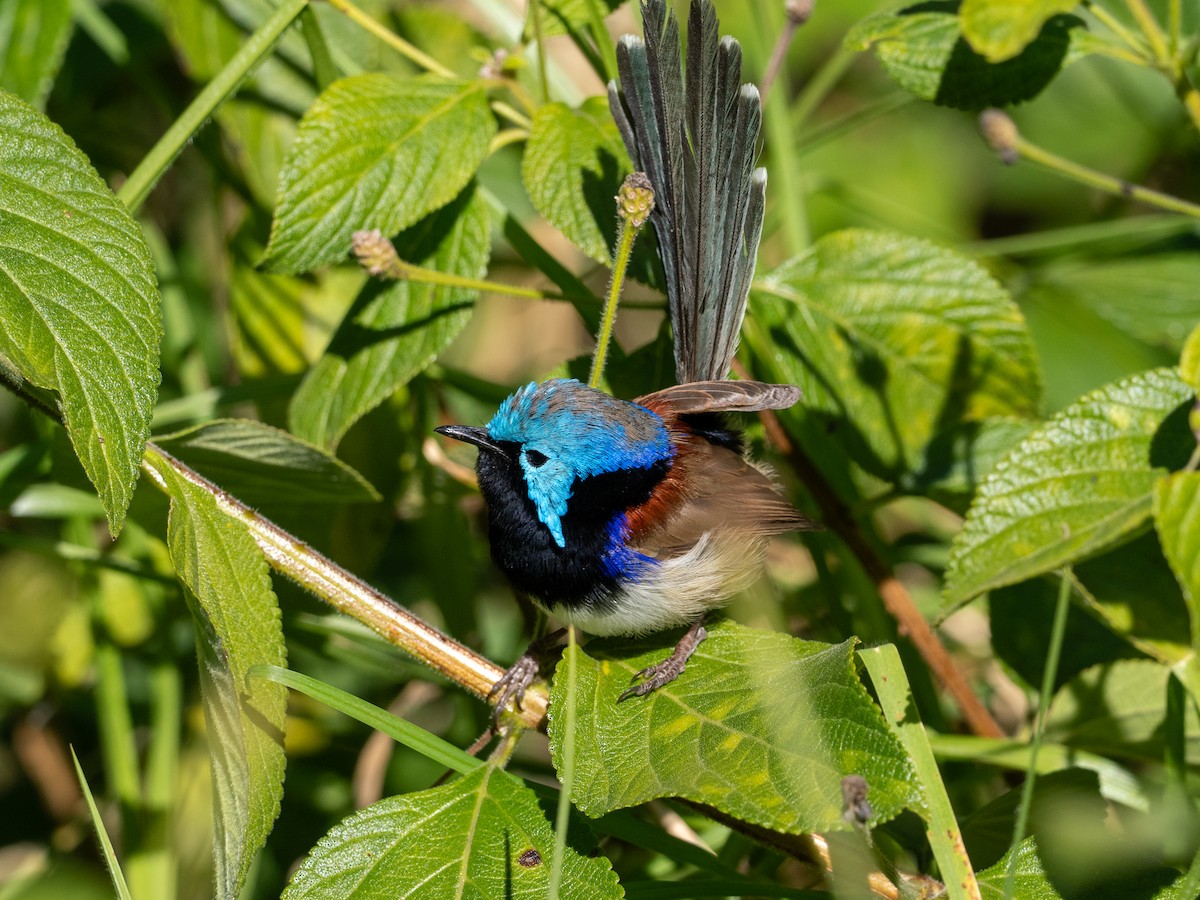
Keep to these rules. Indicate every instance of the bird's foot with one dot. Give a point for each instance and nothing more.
(655, 676)
(511, 686)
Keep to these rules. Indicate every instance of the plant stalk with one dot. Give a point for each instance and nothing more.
(635, 201)
(348, 594)
(389, 37)
(226, 82)
(1057, 631)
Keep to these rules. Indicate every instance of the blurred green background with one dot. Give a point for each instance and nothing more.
(84, 623)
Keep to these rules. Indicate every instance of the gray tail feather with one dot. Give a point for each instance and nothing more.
(695, 135)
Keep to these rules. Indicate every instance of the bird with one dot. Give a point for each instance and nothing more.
(631, 517)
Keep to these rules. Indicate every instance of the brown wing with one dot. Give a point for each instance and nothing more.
(724, 491)
(721, 396)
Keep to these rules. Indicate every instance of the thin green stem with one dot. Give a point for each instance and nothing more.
(1193, 462)
(535, 13)
(1154, 35)
(512, 114)
(1127, 231)
(818, 87)
(1191, 102)
(1174, 27)
(566, 768)
(79, 553)
(389, 37)
(1053, 653)
(257, 47)
(839, 127)
(506, 137)
(1106, 183)
(100, 28)
(116, 728)
(604, 338)
(379, 258)
(1113, 24)
(604, 42)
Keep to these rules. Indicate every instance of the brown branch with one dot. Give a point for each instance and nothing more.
(895, 596)
(349, 594)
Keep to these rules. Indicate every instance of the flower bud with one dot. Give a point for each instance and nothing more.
(1001, 134)
(635, 200)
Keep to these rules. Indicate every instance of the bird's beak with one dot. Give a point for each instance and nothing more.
(470, 434)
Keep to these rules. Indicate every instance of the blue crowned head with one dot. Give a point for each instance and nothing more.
(566, 432)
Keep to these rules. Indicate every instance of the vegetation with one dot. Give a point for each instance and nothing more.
(980, 678)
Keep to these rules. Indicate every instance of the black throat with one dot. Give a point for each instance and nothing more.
(589, 570)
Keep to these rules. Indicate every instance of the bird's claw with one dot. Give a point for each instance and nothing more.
(662, 673)
(511, 686)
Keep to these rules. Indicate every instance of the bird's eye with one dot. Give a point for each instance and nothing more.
(536, 458)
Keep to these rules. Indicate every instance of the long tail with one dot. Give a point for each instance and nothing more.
(696, 136)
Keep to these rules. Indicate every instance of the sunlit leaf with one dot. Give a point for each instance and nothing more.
(482, 836)
(1132, 590)
(1177, 518)
(572, 169)
(1189, 359)
(761, 726)
(79, 310)
(1078, 484)
(375, 151)
(893, 340)
(228, 589)
(1030, 881)
(565, 16)
(1117, 709)
(1000, 29)
(923, 50)
(395, 329)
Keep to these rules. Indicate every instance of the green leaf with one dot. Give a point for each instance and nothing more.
(263, 465)
(1117, 710)
(33, 40)
(1189, 359)
(1131, 588)
(1000, 29)
(1109, 881)
(894, 340)
(482, 836)
(228, 588)
(567, 16)
(922, 49)
(78, 300)
(1076, 485)
(1030, 882)
(400, 730)
(1177, 518)
(761, 726)
(374, 151)
(957, 460)
(1153, 298)
(395, 329)
(106, 847)
(572, 169)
